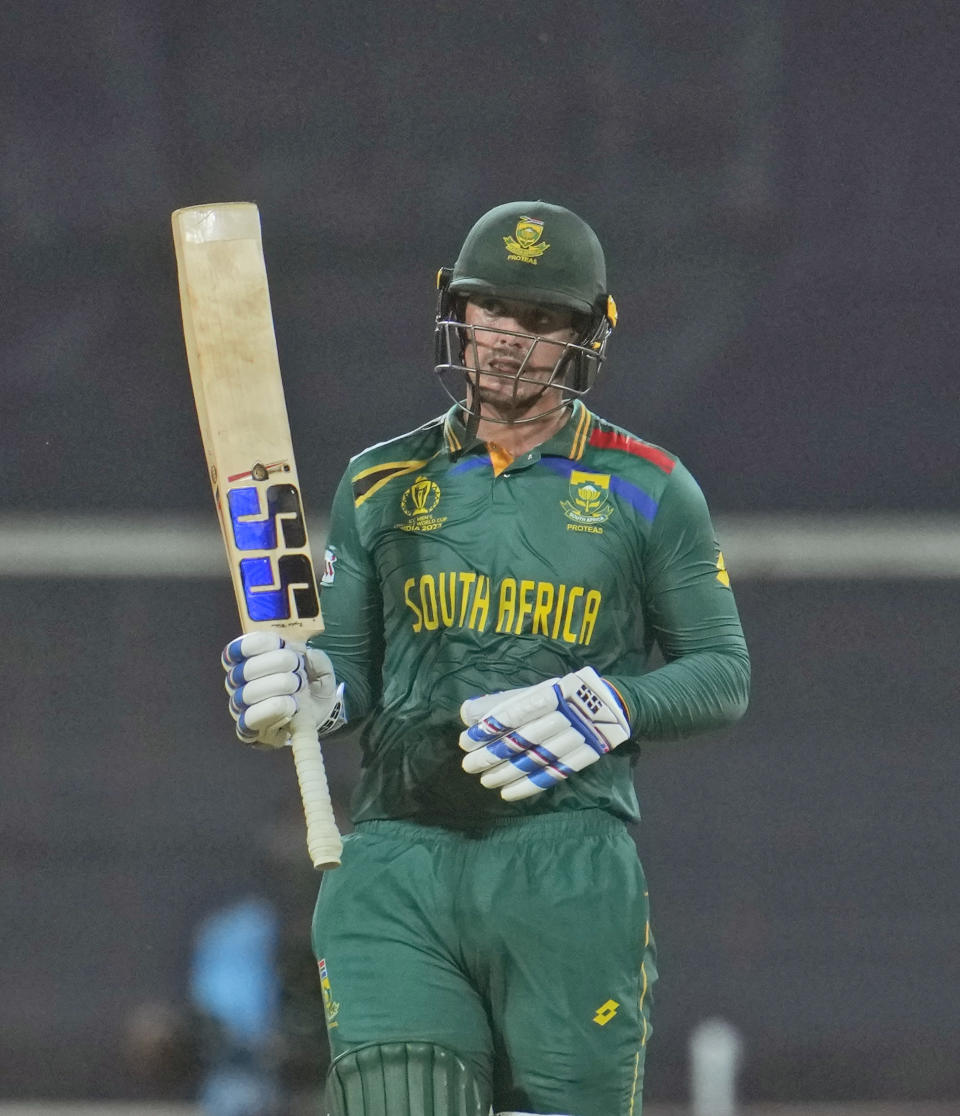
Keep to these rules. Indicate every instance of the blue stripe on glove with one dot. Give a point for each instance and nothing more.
(530, 739)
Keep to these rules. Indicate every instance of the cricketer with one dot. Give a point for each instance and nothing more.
(493, 587)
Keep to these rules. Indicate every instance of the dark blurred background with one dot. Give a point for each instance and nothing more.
(776, 187)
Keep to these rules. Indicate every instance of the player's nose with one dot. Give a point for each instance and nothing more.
(508, 338)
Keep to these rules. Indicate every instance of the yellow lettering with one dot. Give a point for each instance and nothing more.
(466, 580)
(428, 602)
(407, 586)
(481, 604)
(558, 615)
(461, 597)
(508, 604)
(541, 613)
(591, 609)
(526, 605)
(445, 615)
(575, 594)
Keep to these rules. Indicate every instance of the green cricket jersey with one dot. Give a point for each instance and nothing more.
(448, 575)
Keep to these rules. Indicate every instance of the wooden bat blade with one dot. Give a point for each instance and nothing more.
(235, 370)
(237, 385)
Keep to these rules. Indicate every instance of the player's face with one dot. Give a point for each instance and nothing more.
(515, 348)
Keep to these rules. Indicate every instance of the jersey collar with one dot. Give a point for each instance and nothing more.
(569, 441)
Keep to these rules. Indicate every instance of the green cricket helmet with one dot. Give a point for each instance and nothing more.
(529, 252)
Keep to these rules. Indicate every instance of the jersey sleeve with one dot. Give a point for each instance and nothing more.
(350, 601)
(691, 613)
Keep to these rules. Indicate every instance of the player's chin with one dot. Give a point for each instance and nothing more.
(499, 410)
(525, 392)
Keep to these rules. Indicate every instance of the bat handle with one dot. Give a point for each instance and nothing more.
(323, 837)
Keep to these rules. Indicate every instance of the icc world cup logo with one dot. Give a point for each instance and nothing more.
(418, 504)
(421, 498)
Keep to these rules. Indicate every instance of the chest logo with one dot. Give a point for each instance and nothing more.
(524, 246)
(589, 503)
(418, 503)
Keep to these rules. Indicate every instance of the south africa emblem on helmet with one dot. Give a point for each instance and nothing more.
(589, 504)
(524, 246)
(418, 503)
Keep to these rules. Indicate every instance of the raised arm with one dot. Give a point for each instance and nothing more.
(352, 608)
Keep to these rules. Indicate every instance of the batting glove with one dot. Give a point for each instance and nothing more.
(264, 675)
(525, 741)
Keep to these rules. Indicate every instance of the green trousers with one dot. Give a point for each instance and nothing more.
(525, 949)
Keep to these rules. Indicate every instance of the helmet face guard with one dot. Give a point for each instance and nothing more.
(529, 252)
(457, 363)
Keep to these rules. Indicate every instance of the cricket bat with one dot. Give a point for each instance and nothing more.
(235, 370)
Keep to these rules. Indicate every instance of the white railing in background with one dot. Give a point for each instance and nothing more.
(857, 546)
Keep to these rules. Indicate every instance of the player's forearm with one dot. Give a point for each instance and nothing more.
(699, 692)
(355, 667)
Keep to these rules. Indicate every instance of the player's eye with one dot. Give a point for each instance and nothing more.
(547, 321)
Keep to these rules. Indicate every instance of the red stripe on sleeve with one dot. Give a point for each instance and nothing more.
(612, 439)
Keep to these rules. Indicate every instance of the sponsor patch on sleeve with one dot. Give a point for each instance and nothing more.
(329, 560)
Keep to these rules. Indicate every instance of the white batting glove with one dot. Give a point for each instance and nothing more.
(525, 741)
(264, 675)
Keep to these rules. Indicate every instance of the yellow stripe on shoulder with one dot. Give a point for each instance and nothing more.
(368, 481)
(453, 442)
(580, 437)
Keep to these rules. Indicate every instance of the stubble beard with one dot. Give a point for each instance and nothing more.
(506, 405)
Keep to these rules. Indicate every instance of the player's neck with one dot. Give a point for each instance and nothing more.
(519, 438)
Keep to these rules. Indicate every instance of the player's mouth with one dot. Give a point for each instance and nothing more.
(504, 366)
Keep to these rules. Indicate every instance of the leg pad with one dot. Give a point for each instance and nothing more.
(399, 1078)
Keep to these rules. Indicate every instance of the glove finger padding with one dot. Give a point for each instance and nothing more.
(474, 708)
(536, 780)
(265, 717)
(252, 644)
(512, 742)
(283, 660)
(541, 735)
(510, 709)
(272, 688)
(264, 675)
(535, 757)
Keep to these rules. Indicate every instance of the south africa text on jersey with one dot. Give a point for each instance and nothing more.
(515, 606)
